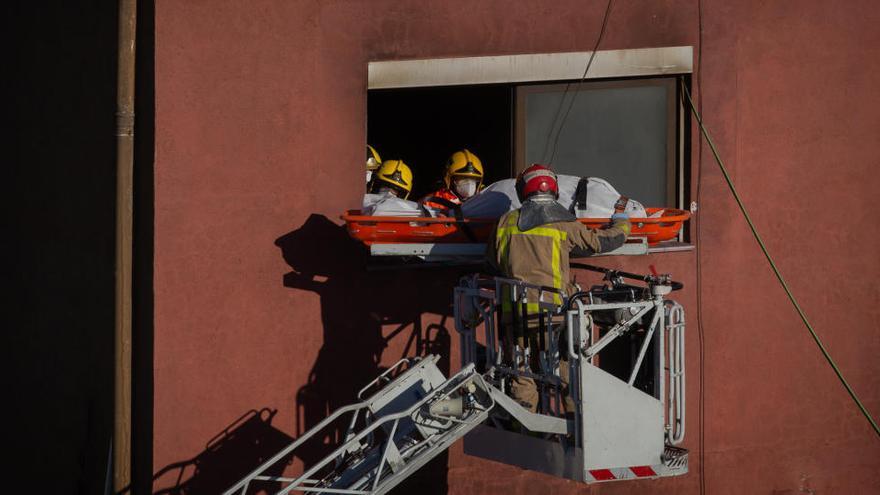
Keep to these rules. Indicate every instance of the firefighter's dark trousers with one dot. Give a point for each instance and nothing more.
(524, 389)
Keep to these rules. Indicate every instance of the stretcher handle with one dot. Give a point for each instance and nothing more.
(456, 210)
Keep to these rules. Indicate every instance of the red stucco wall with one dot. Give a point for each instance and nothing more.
(261, 302)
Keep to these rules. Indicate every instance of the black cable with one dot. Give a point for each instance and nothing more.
(574, 96)
(775, 269)
(699, 260)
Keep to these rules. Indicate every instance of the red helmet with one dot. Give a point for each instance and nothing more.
(536, 179)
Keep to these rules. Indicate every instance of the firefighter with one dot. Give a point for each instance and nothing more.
(532, 244)
(463, 179)
(392, 177)
(373, 162)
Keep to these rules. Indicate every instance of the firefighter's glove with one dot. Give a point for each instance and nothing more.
(621, 221)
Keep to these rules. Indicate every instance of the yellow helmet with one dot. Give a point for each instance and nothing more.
(463, 164)
(396, 174)
(373, 159)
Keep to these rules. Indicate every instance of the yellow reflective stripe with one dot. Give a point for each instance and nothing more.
(557, 235)
(510, 229)
(503, 235)
(557, 272)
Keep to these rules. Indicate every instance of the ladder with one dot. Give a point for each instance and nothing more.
(399, 428)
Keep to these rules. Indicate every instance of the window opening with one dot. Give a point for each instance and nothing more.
(629, 131)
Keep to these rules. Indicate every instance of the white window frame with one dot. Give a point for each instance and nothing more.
(540, 67)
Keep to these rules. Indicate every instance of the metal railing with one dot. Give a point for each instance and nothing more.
(675, 400)
(480, 300)
(492, 303)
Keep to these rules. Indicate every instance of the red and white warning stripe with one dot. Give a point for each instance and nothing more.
(623, 473)
(676, 464)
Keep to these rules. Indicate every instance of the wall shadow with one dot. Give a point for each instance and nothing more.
(235, 451)
(58, 244)
(363, 311)
(142, 269)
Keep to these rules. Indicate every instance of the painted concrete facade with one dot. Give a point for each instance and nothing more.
(262, 302)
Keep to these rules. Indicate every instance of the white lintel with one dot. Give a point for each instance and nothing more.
(530, 67)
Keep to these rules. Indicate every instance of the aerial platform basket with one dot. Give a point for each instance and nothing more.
(449, 230)
(608, 368)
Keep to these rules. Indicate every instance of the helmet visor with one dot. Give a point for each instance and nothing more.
(389, 190)
(393, 190)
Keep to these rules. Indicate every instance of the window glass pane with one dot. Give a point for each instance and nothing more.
(619, 134)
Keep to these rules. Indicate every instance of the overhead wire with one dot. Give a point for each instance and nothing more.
(776, 271)
(553, 126)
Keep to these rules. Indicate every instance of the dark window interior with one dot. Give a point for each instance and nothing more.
(424, 126)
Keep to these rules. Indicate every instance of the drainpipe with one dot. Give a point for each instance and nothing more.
(124, 198)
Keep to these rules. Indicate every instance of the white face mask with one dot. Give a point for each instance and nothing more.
(466, 187)
(369, 176)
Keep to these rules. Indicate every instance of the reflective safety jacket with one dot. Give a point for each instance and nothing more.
(442, 193)
(540, 255)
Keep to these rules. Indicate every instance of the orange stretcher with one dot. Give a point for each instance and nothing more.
(404, 230)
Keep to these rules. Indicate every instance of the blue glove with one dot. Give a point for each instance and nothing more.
(621, 221)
